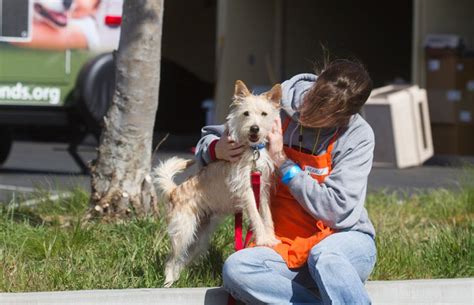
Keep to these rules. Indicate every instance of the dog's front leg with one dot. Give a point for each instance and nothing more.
(262, 236)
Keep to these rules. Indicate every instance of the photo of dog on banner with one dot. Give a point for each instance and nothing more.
(73, 24)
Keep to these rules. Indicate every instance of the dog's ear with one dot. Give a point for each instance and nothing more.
(274, 95)
(240, 90)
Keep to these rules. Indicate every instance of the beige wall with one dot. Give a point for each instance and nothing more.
(245, 47)
(443, 17)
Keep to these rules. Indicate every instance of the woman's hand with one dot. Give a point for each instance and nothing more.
(227, 149)
(275, 144)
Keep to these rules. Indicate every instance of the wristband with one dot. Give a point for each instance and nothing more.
(293, 171)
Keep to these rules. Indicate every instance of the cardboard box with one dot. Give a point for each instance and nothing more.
(444, 105)
(465, 79)
(465, 111)
(453, 139)
(443, 70)
(451, 106)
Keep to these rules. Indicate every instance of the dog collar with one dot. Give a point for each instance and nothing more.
(258, 146)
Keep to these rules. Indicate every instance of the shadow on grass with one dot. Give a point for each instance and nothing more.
(26, 216)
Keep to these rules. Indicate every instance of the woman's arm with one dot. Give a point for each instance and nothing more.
(339, 200)
(205, 152)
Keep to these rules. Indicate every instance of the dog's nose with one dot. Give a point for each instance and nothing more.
(67, 4)
(254, 129)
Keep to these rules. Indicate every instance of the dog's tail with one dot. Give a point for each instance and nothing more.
(164, 173)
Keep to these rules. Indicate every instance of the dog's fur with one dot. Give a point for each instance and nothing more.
(195, 207)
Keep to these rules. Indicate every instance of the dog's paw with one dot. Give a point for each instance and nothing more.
(171, 274)
(268, 242)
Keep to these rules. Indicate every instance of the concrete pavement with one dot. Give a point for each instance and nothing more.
(48, 166)
(411, 292)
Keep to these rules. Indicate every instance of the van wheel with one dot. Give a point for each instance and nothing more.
(94, 90)
(5, 144)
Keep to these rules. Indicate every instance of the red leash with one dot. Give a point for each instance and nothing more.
(255, 182)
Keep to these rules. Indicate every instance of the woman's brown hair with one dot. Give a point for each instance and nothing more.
(339, 92)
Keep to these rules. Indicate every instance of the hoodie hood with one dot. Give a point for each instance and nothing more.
(293, 91)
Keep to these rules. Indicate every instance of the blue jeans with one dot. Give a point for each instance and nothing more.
(335, 273)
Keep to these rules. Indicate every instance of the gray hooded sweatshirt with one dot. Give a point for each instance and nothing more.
(339, 200)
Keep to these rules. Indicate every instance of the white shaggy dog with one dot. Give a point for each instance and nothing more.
(221, 188)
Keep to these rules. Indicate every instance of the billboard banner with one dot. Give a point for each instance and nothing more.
(45, 43)
(61, 24)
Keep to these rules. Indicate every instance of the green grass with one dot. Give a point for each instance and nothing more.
(51, 248)
(424, 236)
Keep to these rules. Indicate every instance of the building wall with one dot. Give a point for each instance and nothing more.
(378, 36)
(189, 36)
(245, 47)
(268, 41)
(442, 17)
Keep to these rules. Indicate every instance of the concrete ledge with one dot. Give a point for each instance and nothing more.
(422, 292)
(419, 292)
(155, 296)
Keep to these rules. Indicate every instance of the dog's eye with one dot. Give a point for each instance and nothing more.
(264, 113)
(246, 113)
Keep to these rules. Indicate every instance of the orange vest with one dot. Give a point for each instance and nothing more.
(297, 230)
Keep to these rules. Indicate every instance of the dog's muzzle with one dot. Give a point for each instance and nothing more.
(254, 129)
(253, 134)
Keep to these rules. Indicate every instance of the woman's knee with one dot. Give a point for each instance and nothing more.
(322, 255)
(322, 249)
(232, 268)
(333, 258)
(342, 245)
(238, 265)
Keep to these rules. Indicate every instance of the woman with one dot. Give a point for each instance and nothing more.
(323, 151)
